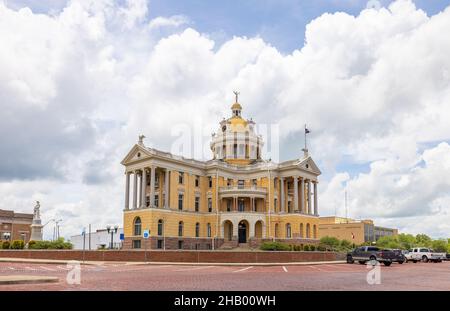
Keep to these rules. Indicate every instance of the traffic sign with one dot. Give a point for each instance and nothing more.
(122, 236)
(146, 234)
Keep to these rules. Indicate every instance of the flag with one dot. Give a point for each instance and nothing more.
(306, 131)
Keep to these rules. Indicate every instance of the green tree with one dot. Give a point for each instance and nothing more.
(439, 245)
(388, 242)
(407, 241)
(346, 245)
(423, 240)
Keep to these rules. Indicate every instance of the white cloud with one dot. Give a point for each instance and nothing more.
(83, 83)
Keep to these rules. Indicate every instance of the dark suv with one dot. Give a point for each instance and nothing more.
(373, 254)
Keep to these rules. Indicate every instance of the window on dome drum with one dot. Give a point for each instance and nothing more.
(160, 227)
(197, 204)
(210, 182)
(228, 182)
(254, 182)
(164, 199)
(209, 205)
(136, 243)
(241, 151)
(180, 201)
(208, 230)
(156, 200)
(289, 206)
(180, 244)
(137, 226)
(180, 178)
(197, 230)
(241, 184)
(180, 228)
(197, 181)
(235, 151)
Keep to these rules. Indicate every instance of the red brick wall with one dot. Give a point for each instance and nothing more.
(175, 256)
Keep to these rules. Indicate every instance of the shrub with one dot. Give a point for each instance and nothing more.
(31, 243)
(312, 247)
(274, 246)
(58, 244)
(329, 242)
(17, 244)
(346, 245)
(5, 245)
(321, 248)
(306, 248)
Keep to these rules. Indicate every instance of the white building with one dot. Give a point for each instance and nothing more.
(98, 239)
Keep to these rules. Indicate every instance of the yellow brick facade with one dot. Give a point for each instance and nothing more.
(243, 200)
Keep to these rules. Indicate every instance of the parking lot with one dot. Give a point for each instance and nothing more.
(120, 276)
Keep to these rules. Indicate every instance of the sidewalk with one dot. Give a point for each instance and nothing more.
(51, 261)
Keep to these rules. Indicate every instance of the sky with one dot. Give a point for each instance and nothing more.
(80, 80)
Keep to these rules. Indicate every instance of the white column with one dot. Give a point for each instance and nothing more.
(316, 208)
(166, 189)
(309, 197)
(143, 186)
(295, 193)
(135, 185)
(282, 194)
(127, 191)
(302, 197)
(152, 186)
(251, 230)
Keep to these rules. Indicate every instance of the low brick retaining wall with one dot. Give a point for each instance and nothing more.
(175, 256)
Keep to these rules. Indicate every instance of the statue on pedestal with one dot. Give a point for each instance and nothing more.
(36, 226)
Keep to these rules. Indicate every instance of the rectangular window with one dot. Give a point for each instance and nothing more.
(210, 182)
(235, 151)
(180, 244)
(241, 150)
(241, 184)
(197, 181)
(136, 243)
(254, 182)
(156, 180)
(180, 178)
(275, 201)
(197, 204)
(156, 200)
(229, 206)
(147, 178)
(209, 205)
(229, 182)
(208, 230)
(147, 201)
(180, 201)
(160, 244)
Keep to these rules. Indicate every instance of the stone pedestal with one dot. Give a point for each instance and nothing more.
(36, 226)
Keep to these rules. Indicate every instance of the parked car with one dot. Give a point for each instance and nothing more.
(399, 256)
(373, 254)
(425, 254)
(408, 255)
(447, 256)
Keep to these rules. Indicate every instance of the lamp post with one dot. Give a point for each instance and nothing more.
(112, 231)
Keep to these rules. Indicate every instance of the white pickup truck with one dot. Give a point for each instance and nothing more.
(424, 254)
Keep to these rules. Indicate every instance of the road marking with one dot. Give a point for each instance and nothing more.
(63, 268)
(48, 269)
(316, 268)
(285, 269)
(11, 268)
(240, 270)
(196, 268)
(30, 268)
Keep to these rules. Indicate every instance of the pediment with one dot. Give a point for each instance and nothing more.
(135, 154)
(308, 164)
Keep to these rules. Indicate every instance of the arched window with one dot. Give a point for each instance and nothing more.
(315, 231)
(160, 227)
(180, 228)
(208, 229)
(308, 231)
(301, 230)
(137, 226)
(288, 231)
(197, 230)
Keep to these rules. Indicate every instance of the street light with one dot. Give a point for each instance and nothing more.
(112, 231)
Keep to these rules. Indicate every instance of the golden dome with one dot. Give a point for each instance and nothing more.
(236, 106)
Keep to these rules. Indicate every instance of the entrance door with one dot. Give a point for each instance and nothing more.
(242, 232)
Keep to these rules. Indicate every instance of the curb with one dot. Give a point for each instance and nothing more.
(26, 279)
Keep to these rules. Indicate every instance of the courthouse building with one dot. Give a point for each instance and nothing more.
(236, 199)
